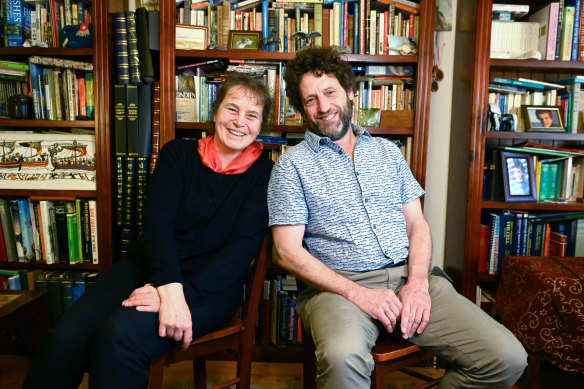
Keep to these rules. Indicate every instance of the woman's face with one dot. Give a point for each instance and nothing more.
(238, 120)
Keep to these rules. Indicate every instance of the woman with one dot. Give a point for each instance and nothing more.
(205, 218)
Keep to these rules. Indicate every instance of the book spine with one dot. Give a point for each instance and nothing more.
(144, 120)
(93, 231)
(129, 192)
(576, 30)
(61, 229)
(121, 49)
(155, 125)
(7, 230)
(26, 230)
(79, 219)
(362, 30)
(143, 45)
(141, 186)
(72, 234)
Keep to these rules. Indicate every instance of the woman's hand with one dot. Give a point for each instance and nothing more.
(145, 299)
(174, 314)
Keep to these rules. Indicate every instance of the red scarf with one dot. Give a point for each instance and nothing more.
(210, 156)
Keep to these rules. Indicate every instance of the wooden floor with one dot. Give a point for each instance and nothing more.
(278, 376)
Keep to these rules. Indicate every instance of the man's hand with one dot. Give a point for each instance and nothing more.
(145, 299)
(380, 304)
(416, 302)
(174, 317)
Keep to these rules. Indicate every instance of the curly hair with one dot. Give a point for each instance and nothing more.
(256, 86)
(317, 60)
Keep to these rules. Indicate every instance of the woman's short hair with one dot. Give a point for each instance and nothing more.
(255, 85)
(317, 60)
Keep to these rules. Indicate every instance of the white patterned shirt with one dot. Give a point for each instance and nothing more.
(352, 210)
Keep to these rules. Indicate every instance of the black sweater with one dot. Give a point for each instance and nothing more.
(202, 228)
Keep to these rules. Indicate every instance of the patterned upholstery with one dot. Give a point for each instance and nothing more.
(541, 300)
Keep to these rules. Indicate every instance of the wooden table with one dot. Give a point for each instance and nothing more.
(23, 306)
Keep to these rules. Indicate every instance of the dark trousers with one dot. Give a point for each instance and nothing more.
(114, 344)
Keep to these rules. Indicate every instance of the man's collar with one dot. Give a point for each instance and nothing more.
(313, 140)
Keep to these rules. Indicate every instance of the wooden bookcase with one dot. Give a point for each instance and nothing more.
(100, 54)
(484, 70)
(418, 132)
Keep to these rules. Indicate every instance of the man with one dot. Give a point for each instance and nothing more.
(545, 117)
(346, 219)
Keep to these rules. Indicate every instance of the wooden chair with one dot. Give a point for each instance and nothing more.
(389, 353)
(237, 336)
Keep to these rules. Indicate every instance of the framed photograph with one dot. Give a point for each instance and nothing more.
(244, 39)
(518, 177)
(189, 37)
(542, 118)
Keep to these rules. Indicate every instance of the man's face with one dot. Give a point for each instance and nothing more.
(327, 106)
(545, 119)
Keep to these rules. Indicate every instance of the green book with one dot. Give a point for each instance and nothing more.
(72, 232)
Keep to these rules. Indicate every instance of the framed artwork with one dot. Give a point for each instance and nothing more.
(47, 161)
(542, 118)
(518, 177)
(189, 37)
(244, 39)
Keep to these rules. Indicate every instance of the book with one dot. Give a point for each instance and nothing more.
(567, 33)
(8, 230)
(121, 48)
(72, 227)
(155, 142)
(547, 18)
(144, 31)
(132, 41)
(575, 27)
(186, 99)
(514, 40)
(93, 231)
(132, 124)
(47, 231)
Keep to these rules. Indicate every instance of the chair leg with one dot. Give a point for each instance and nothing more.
(244, 371)
(155, 376)
(533, 370)
(200, 373)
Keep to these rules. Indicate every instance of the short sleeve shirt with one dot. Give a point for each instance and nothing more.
(351, 209)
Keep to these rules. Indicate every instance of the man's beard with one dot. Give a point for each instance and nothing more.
(341, 130)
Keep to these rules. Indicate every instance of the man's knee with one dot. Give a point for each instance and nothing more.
(513, 361)
(349, 355)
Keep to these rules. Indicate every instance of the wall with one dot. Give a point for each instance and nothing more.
(448, 142)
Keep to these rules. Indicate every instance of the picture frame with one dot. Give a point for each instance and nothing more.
(518, 177)
(189, 37)
(542, 118)
(244, 39)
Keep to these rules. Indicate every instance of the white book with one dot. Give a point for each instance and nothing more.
(514, 40)
(47, 230)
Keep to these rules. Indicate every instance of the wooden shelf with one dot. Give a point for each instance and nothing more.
(534, 136)
(538, 206)
(55, 52)
(407, 131)
(45, 266)
(48, 193)
(32, 123)
(534, 65)
(276, 56)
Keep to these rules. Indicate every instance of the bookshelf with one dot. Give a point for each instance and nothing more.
(486, 69)
(417, 132)
(100, 55)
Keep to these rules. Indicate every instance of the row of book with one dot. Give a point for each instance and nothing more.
(49, 231)
(514, 232)
(137, 143)
(41, 23)
(558, 173)
(554, 31)
(135, 38)
(60, 89)
(512, 96)
(278, 323)
(63, 287)
(362, 26)
(195, 90)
